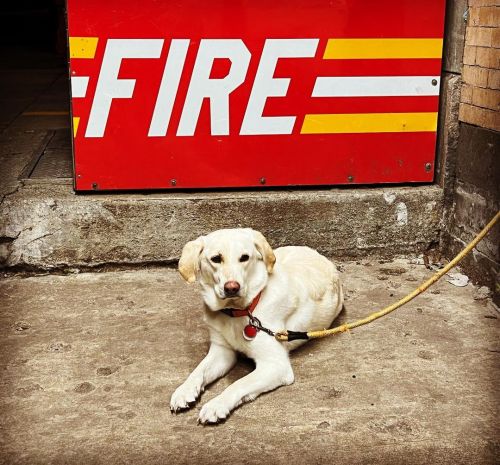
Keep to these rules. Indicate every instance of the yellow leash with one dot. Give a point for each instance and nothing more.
(285, 335)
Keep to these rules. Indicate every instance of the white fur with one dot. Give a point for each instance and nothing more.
(301, 292)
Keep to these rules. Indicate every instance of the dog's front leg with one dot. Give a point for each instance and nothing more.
(270, 372)
(217, 363)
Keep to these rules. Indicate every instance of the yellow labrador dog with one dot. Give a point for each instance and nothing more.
(291, 287)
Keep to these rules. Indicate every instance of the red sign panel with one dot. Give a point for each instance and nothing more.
(191, 94)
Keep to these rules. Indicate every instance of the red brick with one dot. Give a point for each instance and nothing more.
(470, 114)
(494, 79)
(466, 94)
(489, 16)
(473, 19)
(495, 37)
(469, 55)
(486, 98)
(473, 3)
(475, 76)
(479, 36)
(479, 116)
(487, 57)
(492, 120)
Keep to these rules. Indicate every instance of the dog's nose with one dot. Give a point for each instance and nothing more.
(231, 288)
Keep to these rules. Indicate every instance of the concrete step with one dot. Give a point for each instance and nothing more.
(44, 224)
(89, 362)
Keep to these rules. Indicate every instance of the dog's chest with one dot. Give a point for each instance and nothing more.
(232, 331)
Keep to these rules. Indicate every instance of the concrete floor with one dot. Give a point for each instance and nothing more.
(89, 362)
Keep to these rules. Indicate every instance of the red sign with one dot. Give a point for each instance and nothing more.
(193, 94)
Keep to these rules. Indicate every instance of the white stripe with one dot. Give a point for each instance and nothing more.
(79, 86)
(376, 86)
(168, 87)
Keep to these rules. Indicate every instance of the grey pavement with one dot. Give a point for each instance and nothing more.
(89, 361)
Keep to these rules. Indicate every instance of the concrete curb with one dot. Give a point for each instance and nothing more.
(48, 226)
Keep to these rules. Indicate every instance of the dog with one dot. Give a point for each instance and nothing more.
(290, 287)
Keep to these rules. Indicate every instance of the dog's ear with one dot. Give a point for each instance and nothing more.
(264, 249)
(189, 263)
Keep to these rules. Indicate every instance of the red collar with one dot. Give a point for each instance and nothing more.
(238, 312)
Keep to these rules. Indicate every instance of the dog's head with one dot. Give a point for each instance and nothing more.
(232, 264)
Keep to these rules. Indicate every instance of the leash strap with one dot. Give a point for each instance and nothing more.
(296, 335)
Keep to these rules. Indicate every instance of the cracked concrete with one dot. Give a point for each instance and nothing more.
(89, 361)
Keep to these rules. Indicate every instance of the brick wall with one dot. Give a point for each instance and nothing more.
(471, 174)
(480, 100)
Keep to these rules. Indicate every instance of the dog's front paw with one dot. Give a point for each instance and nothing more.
(184, 396)
(214, 411)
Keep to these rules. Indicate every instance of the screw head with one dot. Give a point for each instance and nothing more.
(173, 182)
(262, 180)
(95, 186)
(428, 166)
(434, 82)
(350, 178)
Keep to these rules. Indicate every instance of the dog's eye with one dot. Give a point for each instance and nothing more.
(217, 258)
(244, 258)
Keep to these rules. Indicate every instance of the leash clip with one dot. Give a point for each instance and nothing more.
(255, 322)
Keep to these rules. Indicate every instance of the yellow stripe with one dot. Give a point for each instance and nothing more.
(369, 122)
(45, 113)
(348, 49)
(82, 47)
(76, 122)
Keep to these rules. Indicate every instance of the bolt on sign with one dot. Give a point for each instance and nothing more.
(191, 94)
